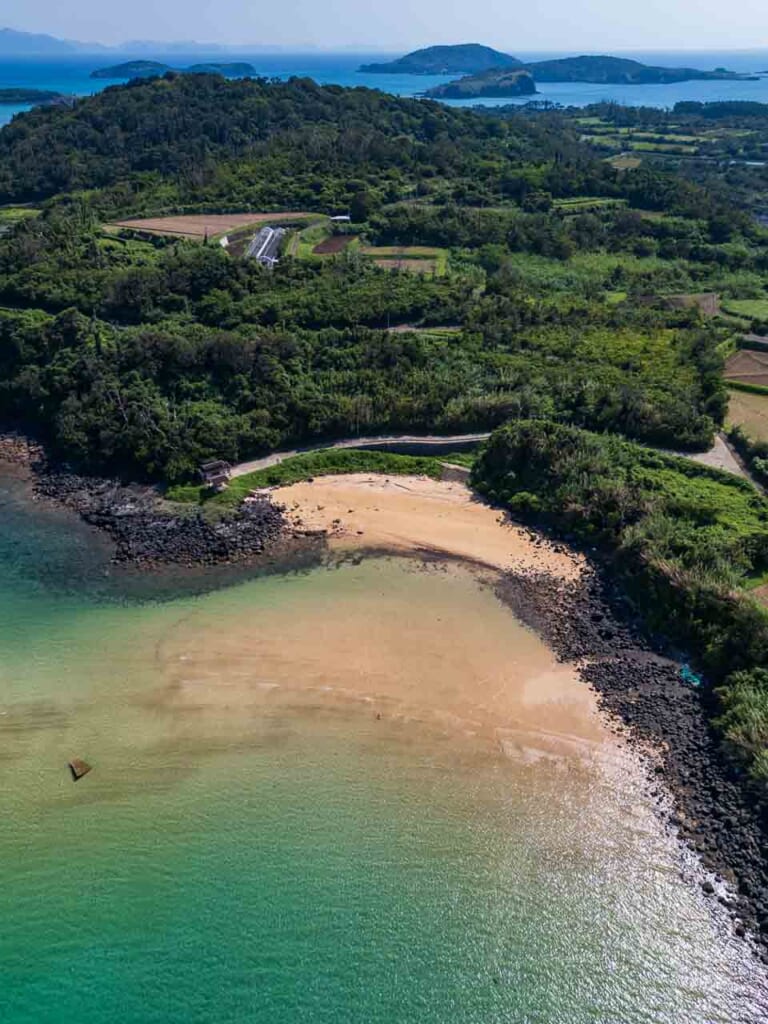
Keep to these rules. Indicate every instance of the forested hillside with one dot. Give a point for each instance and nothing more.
(199, 129)
(143, 354)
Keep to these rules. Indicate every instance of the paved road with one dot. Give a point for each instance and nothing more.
(721, 455)
(404, 445)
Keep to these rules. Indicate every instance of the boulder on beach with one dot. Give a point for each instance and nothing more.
(78, 768)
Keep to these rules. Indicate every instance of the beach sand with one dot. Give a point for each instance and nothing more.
(427, 644)
(410, 514)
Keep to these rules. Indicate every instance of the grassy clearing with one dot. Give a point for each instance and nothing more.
(584, 204)
(753, 309)
(663, 147)
(302, 243)
(13, 214)
(327, 462)
(625, 162)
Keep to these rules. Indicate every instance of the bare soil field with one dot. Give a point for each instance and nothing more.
(748, 367)
(402, 251)
(198, 225)
(332, 245)
(707, 302)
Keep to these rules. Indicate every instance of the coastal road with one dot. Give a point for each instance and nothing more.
(402, 445)
(720, 456)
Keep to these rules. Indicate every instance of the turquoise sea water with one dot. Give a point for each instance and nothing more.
(71, 76)
(268, 863)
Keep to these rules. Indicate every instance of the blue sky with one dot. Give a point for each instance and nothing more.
(585, 25)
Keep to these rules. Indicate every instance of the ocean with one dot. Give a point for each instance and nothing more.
(255, 846)
(72, 76)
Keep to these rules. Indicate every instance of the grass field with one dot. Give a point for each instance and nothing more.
(749, 411)
(663, 147)
(580, 204)
(625, 162)
(753, 309)
(13, 214)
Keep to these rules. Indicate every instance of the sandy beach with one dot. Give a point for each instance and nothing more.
(430, 645)
(411, 514)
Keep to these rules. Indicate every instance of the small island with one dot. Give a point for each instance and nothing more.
(473, 60)
(464, 59)
(504, 83)
(132, 69)
(621, 71)
(12, 97)
(151, 68)
(239, 69)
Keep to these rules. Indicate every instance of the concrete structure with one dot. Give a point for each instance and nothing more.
(216, 474)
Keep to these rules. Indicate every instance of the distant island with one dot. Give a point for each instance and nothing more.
(132, 69)
(151, 68)
(465, 59)
(11, 97)
(487, 70)
(235, 70)
(621, 71)
(495, 83)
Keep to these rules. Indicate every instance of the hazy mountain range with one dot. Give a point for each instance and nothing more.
(32, 44)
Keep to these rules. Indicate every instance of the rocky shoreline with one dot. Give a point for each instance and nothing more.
(664, 717)
(145, 530)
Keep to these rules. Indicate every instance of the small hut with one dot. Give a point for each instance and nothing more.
(216, 474)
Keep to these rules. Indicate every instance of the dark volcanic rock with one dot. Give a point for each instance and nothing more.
(146, 532)
(592, 624)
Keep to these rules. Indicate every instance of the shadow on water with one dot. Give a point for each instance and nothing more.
(46, 549)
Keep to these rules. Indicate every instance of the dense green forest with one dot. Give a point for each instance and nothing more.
(143, 355)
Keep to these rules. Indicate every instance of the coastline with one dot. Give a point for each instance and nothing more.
(147, 532)
(571, 603)
(568, 601)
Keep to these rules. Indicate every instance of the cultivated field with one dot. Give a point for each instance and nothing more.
(417, 259)
(413, 266)
(334, 244)
(200, 225)
(707, 303)
(748, 367)
(750, 412)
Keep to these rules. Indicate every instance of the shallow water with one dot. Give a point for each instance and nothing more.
(255, 844)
